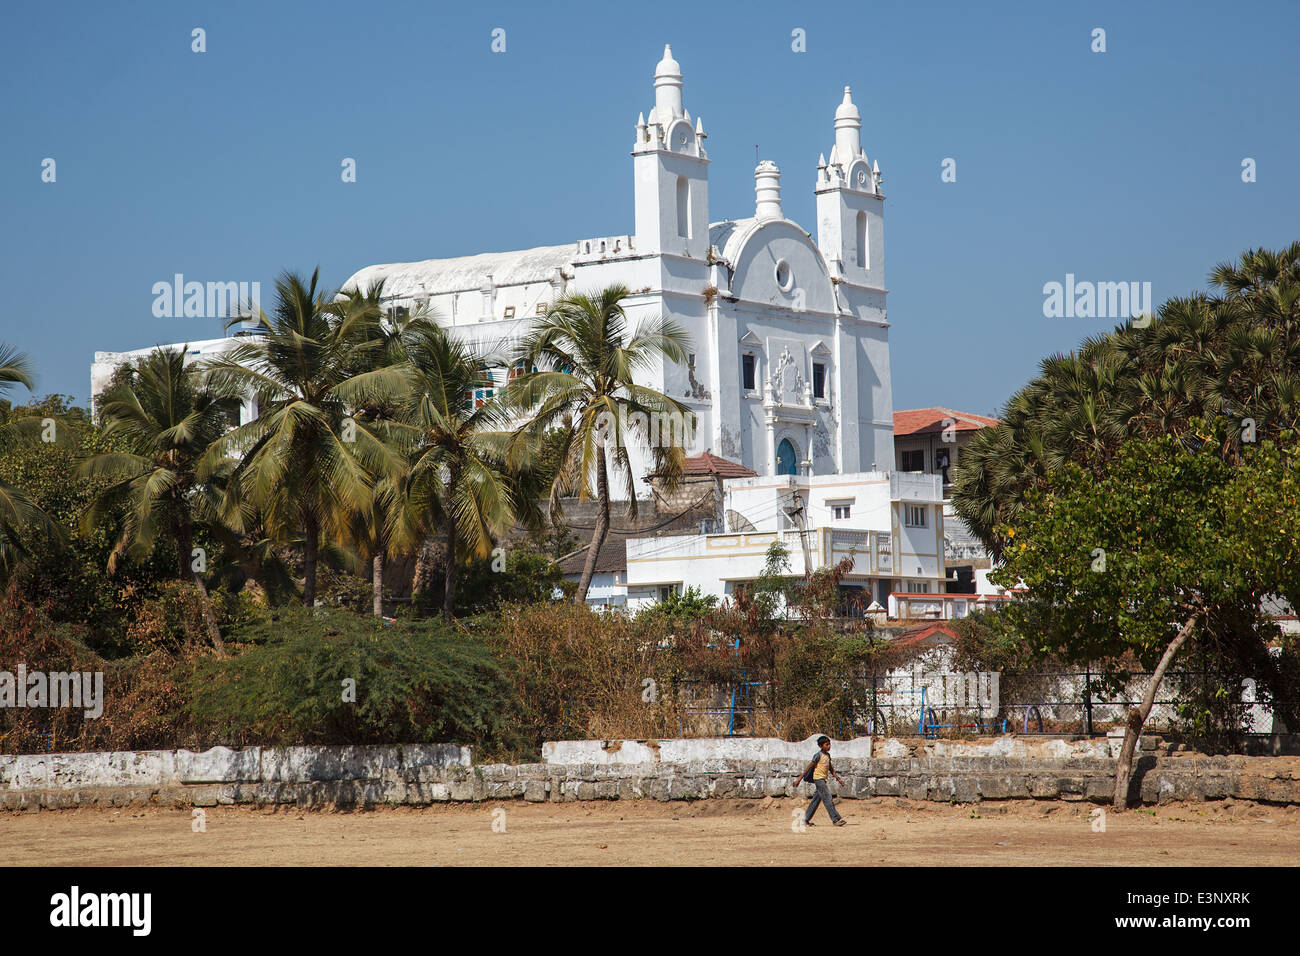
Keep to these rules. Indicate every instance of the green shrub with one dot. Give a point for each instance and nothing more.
(414, 682)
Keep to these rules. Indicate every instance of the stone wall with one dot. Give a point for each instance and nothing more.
(161, 769)
(352, 777)
(687, 749)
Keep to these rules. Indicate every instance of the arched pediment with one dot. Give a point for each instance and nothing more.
(774, 262)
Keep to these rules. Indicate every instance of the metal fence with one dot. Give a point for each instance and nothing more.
(931, 704)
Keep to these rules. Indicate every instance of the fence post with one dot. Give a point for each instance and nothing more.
(1087, 695)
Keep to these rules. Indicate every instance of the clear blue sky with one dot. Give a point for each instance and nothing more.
(226, 165)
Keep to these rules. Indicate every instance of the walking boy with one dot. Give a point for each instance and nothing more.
(816, 774)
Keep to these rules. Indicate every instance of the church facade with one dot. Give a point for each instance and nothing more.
(789, 367)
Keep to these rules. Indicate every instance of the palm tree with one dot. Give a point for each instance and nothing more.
(385, 522)
(19, 514)
(455, 481)
(167, 419)
(585, 387)
(308, 463)
(1234, 354)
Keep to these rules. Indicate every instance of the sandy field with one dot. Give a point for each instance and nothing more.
(735, 832)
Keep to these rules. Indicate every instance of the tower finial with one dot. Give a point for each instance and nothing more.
(668, 87)
(848, 130)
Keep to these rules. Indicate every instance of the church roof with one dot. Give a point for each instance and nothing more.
(465, 273)
(722, 233)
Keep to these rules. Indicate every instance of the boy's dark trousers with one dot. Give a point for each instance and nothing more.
(823, 795)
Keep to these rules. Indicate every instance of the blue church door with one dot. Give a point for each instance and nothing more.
(786, 463)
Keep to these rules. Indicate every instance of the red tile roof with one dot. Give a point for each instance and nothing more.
(709, 464)
(926, 633)
(924, 421)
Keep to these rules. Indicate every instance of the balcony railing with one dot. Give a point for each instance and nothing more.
(746, 552)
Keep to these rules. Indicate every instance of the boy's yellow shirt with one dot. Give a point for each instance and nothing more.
(823, 764)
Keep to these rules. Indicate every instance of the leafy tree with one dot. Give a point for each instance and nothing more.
(681, 606)
(584, 389)
(20, 516)
(1138, 560)
(508, 576)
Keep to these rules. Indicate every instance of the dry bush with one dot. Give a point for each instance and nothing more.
(141, 703)
(580, 674)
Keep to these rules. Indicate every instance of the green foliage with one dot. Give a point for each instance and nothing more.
(415, 682)
(1171, 532)
(1116, 563)
(67, 576)
(681, 606)
(513, 576)
(987, 641)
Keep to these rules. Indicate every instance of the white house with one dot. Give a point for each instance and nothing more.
(891, 525)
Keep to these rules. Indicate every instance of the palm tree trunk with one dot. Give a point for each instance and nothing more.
(423, 563)
(1137, 716)
(309, 551)
(210, 617)
(185, 565)
(449, 571)
(602, 527)
(377, 578)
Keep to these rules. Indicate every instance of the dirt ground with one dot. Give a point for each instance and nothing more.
(733, 832)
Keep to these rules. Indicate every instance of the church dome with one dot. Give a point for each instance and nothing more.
(847, 110)
(668, 66)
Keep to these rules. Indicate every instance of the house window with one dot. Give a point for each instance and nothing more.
(668, 590)
(510, 312)
(519, 368)
(819, 380)
(541, 308)
(918, 587)
(747, 372)
(478, 397)
(914, 460)
(914, 516)
(841, 511)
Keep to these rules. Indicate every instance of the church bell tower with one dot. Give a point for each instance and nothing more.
(850, 205)
(672, 172)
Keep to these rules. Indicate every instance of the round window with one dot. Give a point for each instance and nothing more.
(784, 277)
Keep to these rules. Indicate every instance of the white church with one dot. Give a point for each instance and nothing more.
(789, 371)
